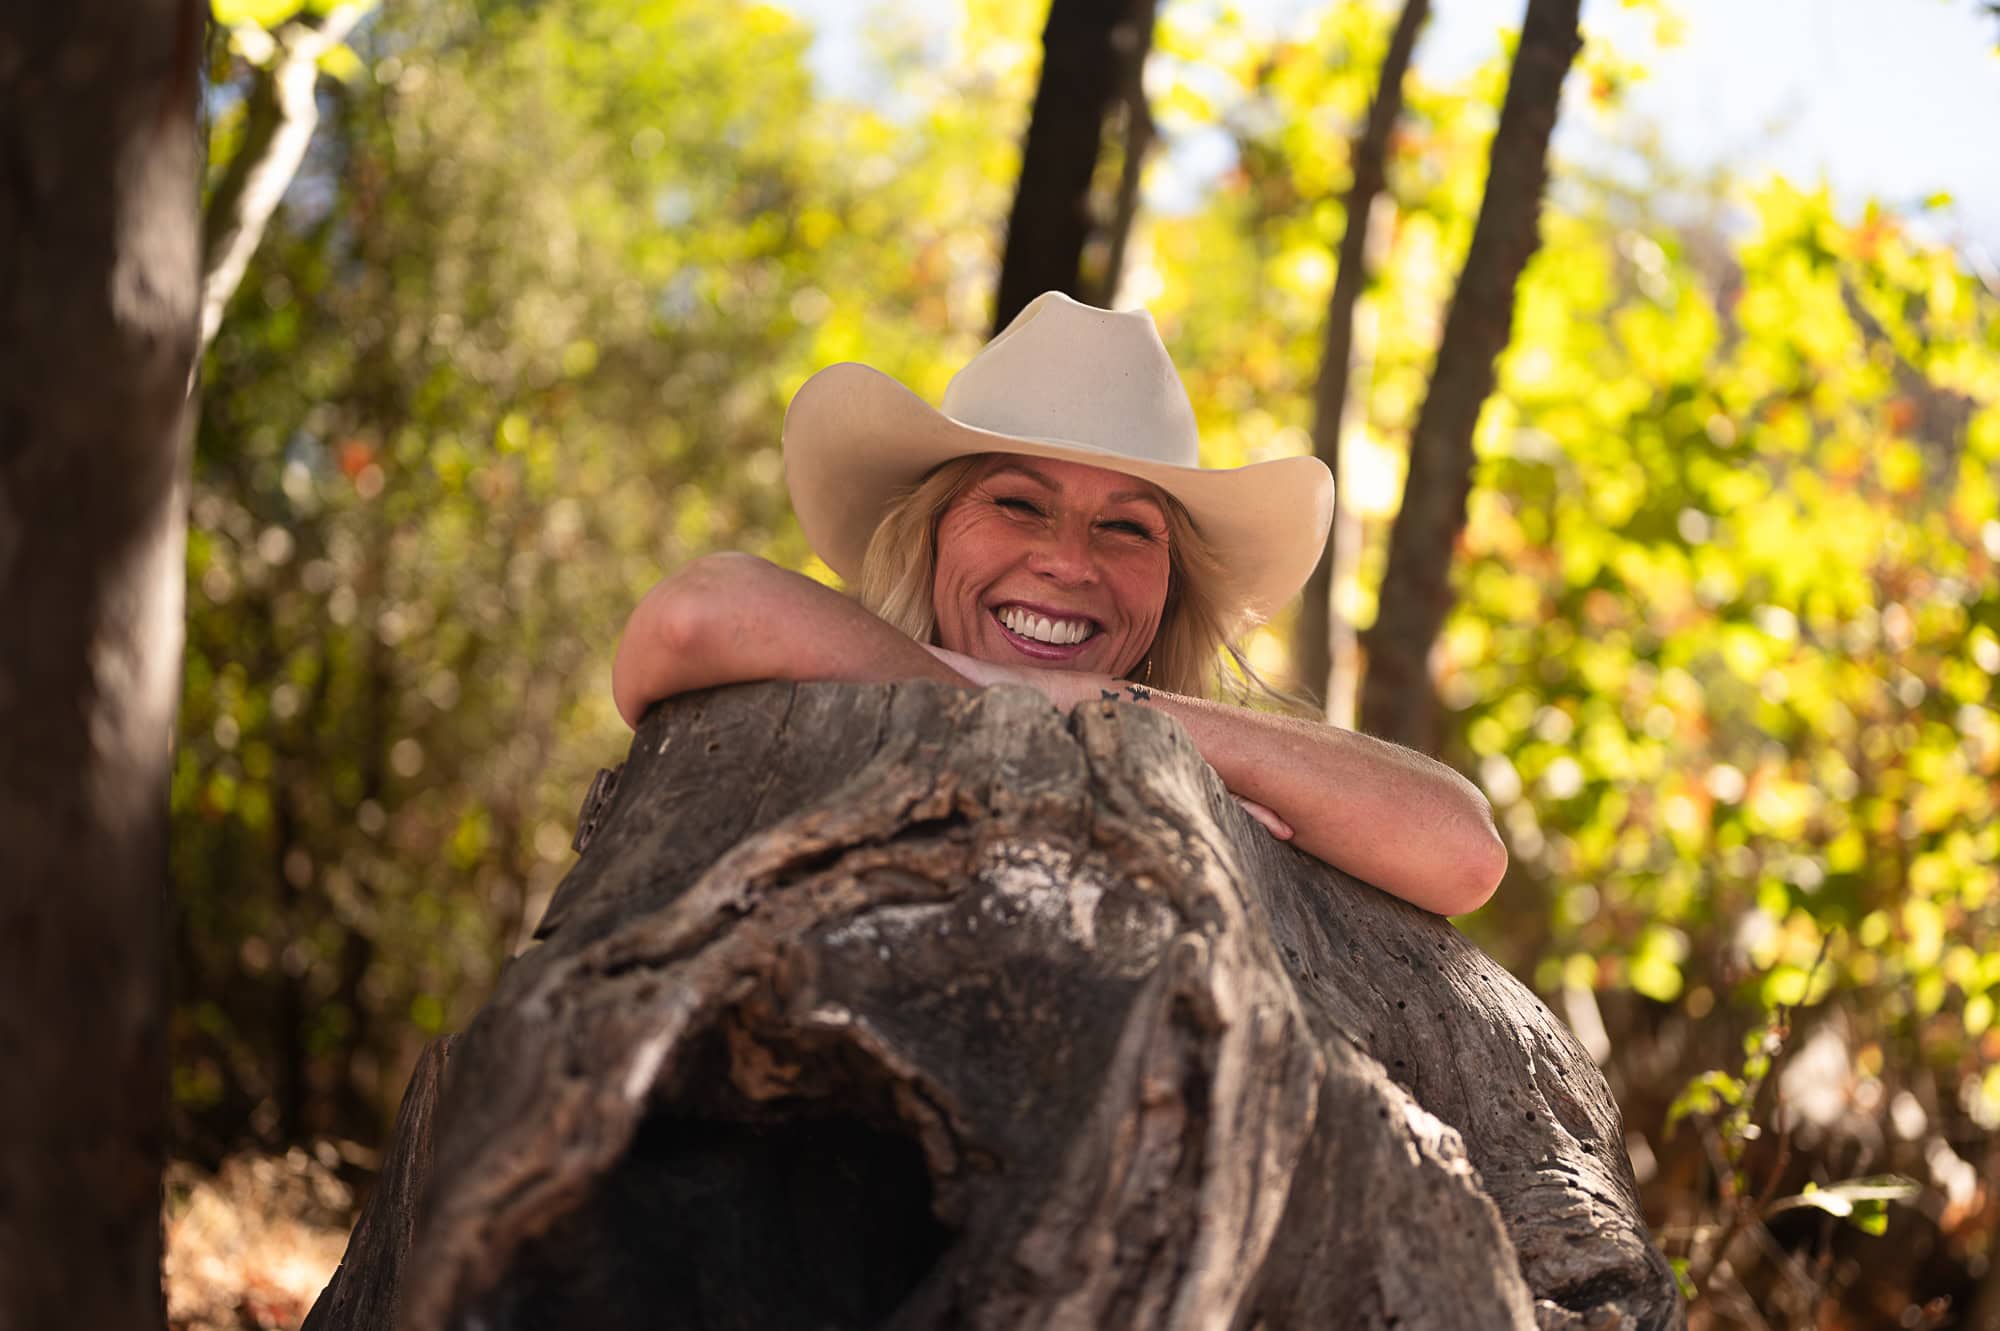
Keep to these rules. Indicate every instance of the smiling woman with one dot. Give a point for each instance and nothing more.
(1052, 526)
(1134, 528)
(1063, 565)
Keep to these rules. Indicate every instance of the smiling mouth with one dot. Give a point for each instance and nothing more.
(1044, 631)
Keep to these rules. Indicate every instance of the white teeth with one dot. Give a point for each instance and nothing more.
(1060, 632)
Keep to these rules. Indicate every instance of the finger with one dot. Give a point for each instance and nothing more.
(1272, 823)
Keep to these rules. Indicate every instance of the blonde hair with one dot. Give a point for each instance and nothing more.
(1188, 649)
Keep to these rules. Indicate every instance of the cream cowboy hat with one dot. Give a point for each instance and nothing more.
(1063, 380)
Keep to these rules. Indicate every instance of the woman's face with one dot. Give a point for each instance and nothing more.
(1054, 565)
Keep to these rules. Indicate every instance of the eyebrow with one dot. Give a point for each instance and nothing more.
(1023, 469)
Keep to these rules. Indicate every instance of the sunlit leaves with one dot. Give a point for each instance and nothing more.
(263, 13)
(1862, 1202)
(519, 343)
(1727, 635)
(1763, 511)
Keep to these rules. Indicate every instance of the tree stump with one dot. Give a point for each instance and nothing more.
(907, 1007)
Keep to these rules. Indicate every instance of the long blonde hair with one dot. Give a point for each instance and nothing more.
(1188, 648)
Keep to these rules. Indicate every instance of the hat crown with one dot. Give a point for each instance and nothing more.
(1061, 371)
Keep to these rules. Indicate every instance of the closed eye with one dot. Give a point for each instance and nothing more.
(1019, 505)
(1129, 527)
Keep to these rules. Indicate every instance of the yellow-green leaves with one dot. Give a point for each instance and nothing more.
(262, 13)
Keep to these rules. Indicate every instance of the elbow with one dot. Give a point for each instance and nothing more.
(670, 642)
(1482, 863)
(1479, 864)
(1468, 862)
(1463, 866)
(640, 670)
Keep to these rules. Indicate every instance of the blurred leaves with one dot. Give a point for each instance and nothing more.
(518, 343)
(1862, 1202)
(1729, 613)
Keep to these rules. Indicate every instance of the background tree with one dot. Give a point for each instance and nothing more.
(1398, 701)
(1324, 658)
(99, 271)
(1722, 651)
(1093, 60)
(467, 406)
(282, 45)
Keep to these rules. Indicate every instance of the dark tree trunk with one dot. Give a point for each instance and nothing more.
(913, 1007)
(1092, 55)
(1323, 645)
(99, 280)
(1135, 139)
(1398, 700)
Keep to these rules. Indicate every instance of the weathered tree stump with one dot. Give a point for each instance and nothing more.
(908, 1007)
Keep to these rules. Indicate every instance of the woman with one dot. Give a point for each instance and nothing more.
(1051, 526)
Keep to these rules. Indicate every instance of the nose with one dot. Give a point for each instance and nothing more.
(1064, 556)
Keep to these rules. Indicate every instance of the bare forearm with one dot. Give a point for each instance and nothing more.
(728, 618)
(1383, 813)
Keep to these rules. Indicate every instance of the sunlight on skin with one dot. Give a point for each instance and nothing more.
(1065, 541)
(1068, 542)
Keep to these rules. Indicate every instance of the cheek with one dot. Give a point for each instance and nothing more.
(1146, 592)
(953, 578)
(947, 567)
(970, 550)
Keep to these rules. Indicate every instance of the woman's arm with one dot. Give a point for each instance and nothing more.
(1386, 814)
(727, 618)
(1383, 813)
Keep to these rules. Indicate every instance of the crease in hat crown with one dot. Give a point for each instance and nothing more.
(1071, 373)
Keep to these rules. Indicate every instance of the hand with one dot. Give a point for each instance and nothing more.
(1273, 824)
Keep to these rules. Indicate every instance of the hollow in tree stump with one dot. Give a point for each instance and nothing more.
(910, 1007)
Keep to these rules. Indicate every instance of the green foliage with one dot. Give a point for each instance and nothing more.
(263, 13)
(1707, 1093)
(1729, 613)
(519, 343)
(1724, 659)
(1862, 1202)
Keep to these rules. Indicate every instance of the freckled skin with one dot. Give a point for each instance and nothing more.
(1058, 536)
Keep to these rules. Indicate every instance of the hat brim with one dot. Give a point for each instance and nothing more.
(854, 438)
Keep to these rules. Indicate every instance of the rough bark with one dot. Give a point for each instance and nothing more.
(1398, 699)
(98, 281)
(382, 1238)
(906, 1006)
(1092, 55)
(1323, 648)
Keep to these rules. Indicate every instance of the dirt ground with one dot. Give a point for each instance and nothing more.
(249, 1247)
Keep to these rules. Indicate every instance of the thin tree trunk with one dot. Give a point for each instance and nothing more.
(1091, 49)
(1399, 701)
(1136, 119)
(1323, 642)
(280, 114)
(1346, 534)
(99, 286)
